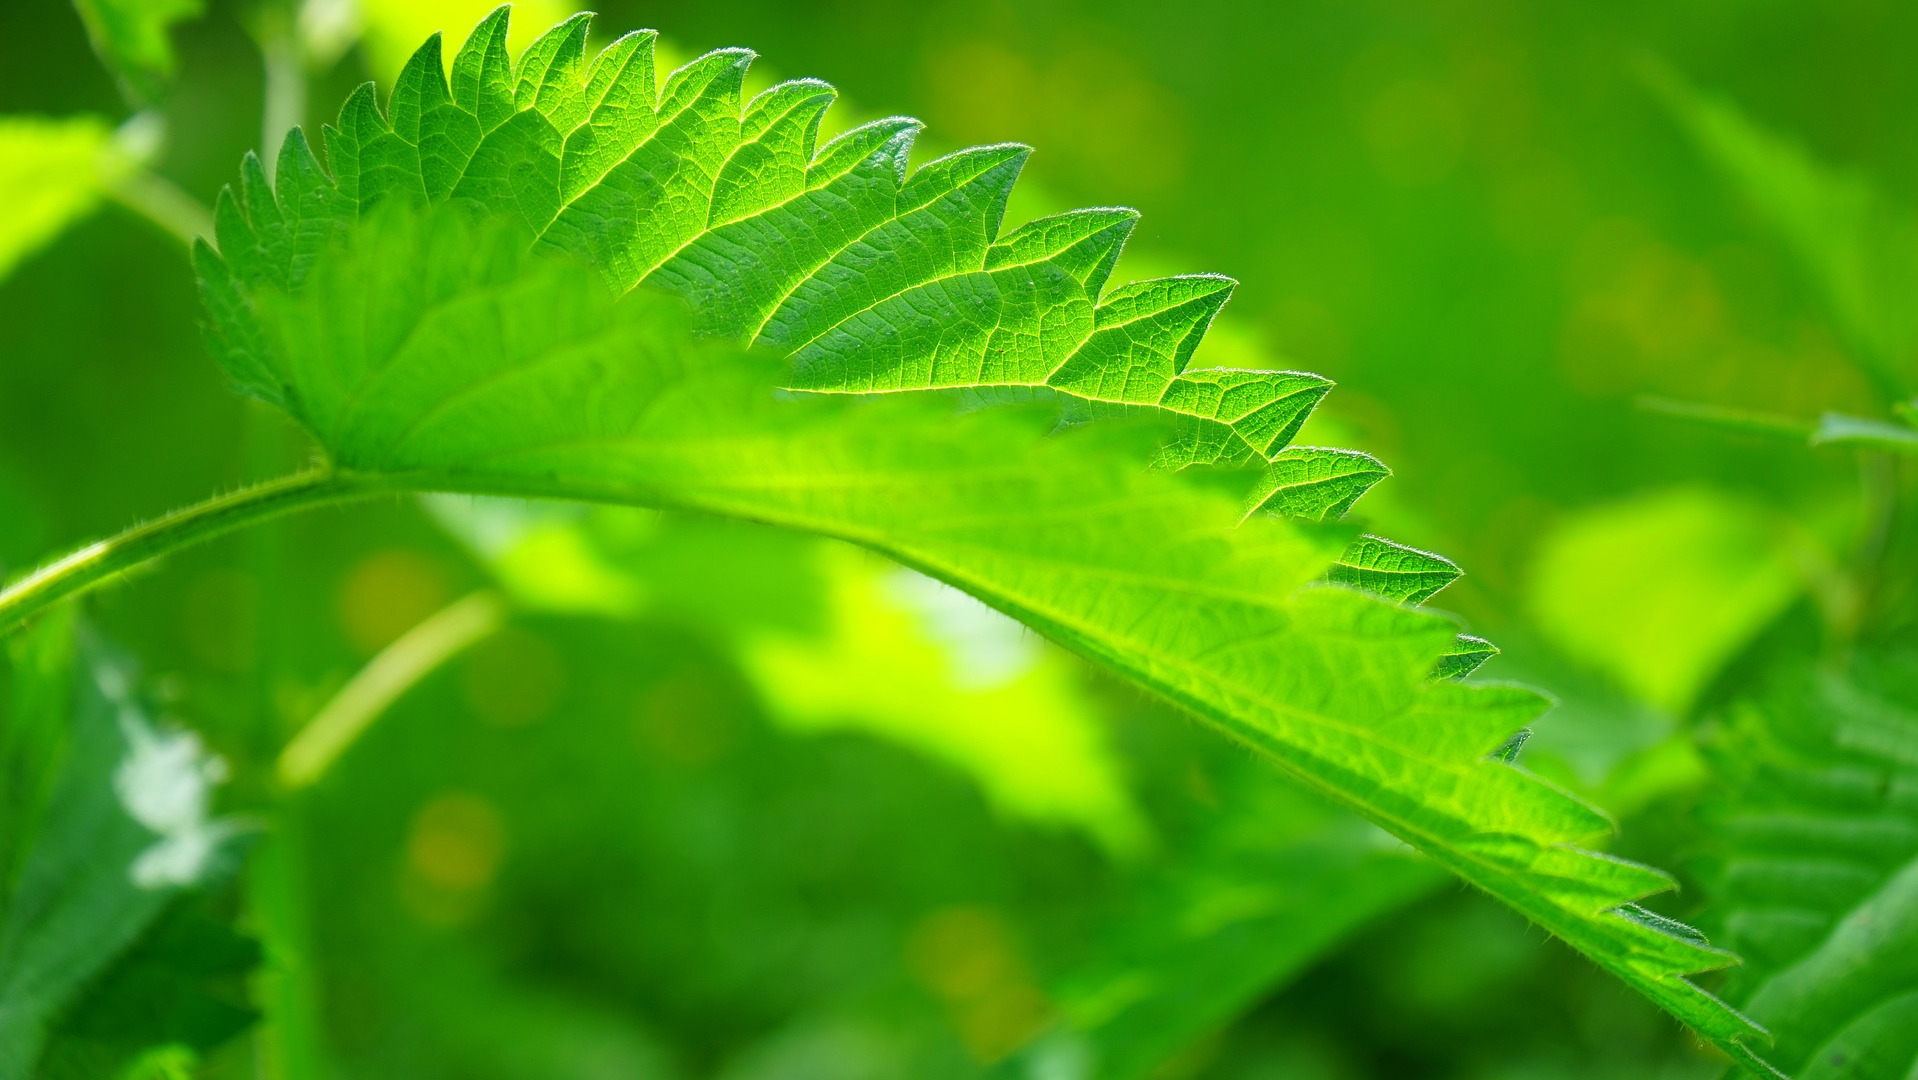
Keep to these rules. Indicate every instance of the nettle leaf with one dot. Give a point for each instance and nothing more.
(1859, 248)
(52, 174)
(1662, 590)
(121, 832)
(1269, 884)
(454, 303)
(131, 38)
(1816, 876)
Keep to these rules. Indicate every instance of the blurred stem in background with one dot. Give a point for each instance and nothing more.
(398, 668)
(283, 55)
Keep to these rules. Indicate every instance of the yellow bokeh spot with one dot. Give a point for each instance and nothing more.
(967, 957)
(456, 842)
(388, 593)
(454, 847)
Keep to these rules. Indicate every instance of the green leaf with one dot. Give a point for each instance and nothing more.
(33, 736)
(1661, 591)
(499, 346)
(1466, 655)
(182, 987)
(1815, 876)
(131, 38)
(1268, 887)
(1315, 483)
(123, 833)
(1859, 250)
(1394, 571)
(52, 174)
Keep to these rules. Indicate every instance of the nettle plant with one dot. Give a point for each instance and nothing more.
(570, 276)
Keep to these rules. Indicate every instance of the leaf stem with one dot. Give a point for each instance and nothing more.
(418, 653)
(96, 563)
(162, 202)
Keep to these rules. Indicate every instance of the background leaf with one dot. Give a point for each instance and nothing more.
(132, 37)
(52, 173)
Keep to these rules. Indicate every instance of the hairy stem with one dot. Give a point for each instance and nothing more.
(98, 562)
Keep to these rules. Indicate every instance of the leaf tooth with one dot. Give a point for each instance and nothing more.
(1589, 883)
(775, 103)
(1197, 298)
(723, 70)
(944, 218)
(483, 71)
(256, 194)
(420, 89)
(299, 171)
(1466, 655)
(768, 167)
(1263, 409)
(991, 169)
(551, 65)
(619, 115)
(360, 118)
(1662, 947)
(1144, 334)
(1083, 243)
(887, 141)
(239, 242)
(232, 334)
(1394, 571)
(1316, 483)
(624, 70)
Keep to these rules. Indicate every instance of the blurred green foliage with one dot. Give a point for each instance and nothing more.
(657, 825)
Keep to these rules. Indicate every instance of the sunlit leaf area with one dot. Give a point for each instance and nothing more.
(774, 540)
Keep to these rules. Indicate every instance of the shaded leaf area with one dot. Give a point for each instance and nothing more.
(882, 918)
(1859, 248)
(102, 844)
(1815, 873)
(441, 355)
(809, 623)
(1243, 910)
(1209, 915)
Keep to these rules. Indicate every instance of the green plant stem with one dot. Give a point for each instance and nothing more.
(98, 562)
(162, 202)
(398, 668)
(285, 106)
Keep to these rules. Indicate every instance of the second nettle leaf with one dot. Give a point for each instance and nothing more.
(454, 305)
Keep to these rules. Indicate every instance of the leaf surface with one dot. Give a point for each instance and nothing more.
(1816, 876)
(501, 344)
